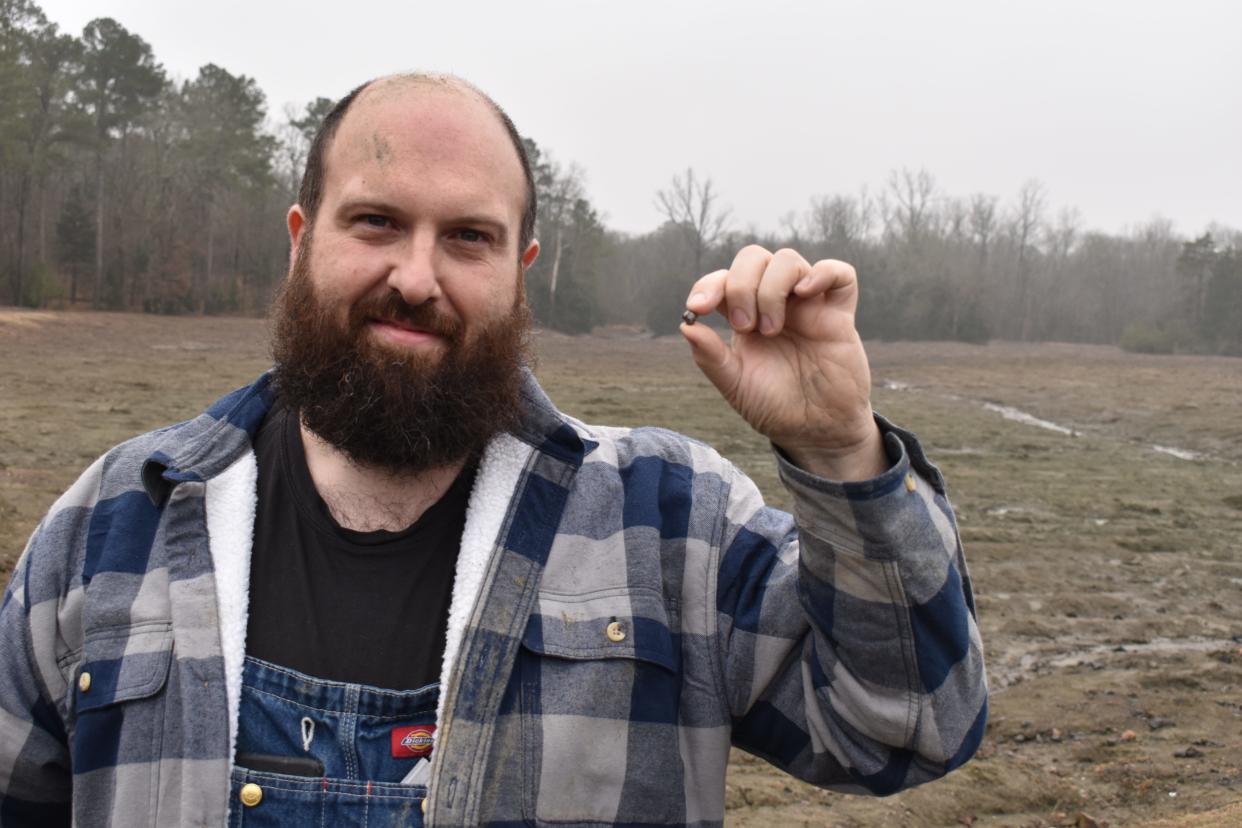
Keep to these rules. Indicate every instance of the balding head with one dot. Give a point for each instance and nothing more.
(380, 90)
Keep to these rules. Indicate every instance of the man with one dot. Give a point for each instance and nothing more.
(271, 613)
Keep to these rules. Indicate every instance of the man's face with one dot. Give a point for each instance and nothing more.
(401, 328)
(423, 197)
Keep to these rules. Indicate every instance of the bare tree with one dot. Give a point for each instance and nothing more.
(791, 227)
(691, 204)
(1028, 218)
(563, 189)
(1061, 237)
(909, 213)
(957, 220)
(292, 148)
(841, 223)
(983, 224)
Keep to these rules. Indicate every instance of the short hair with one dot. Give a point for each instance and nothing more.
(310, 192)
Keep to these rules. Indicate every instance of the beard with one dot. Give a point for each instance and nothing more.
(401, 412)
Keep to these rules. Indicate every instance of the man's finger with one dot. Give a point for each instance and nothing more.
(785, 270)
(707, 293)
(714, 358)
(741, 285)
(837, 279)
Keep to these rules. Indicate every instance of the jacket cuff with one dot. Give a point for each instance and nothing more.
(866, 516)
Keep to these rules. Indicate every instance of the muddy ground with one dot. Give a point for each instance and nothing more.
(1099, 495)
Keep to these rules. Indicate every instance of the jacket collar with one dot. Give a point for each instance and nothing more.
(548, 430)
(200, 449)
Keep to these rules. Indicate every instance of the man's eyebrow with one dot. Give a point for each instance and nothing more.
(497, 226)
(366, 205)
(371, 205)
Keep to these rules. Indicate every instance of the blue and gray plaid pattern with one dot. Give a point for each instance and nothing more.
(642, 611)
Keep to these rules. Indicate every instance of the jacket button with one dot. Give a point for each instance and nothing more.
(911, 485)
(615, 632)
(251, 794)
(84, 682)
(424, 807)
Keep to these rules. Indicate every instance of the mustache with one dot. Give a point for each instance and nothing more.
(392, 308)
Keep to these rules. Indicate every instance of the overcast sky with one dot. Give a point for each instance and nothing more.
(1126, 110)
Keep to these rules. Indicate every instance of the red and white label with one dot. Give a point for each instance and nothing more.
(413, 742)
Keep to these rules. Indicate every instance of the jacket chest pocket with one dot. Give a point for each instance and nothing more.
(600, 697)
(118, 703)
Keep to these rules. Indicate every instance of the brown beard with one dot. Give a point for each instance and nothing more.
(382, 408)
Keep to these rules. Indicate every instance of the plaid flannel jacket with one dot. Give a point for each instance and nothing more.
(640, 611)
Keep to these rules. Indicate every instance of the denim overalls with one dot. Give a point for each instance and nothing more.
(367, 740)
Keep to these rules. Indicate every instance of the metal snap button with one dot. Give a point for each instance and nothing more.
(251, 795)
(911, 485)
(615, 632)
(84, 682)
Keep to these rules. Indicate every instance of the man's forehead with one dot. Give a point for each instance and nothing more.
(395, 86)
(403, 112)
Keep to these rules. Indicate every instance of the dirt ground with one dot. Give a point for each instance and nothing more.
(1099, 495)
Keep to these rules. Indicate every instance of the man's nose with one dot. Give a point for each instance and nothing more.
(415, 273)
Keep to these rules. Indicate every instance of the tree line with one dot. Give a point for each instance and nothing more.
(123, 188)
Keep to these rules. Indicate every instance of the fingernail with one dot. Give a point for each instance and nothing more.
(766, 325)
(740, 318)
(696, 298)
(805, 283)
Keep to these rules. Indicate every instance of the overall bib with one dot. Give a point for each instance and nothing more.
(327, 753)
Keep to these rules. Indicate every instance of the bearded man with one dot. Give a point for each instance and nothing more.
(390, 584)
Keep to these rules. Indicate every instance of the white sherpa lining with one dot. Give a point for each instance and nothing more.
(230, 502)
(494, 486)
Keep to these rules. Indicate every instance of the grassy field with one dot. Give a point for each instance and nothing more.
(1099, 496)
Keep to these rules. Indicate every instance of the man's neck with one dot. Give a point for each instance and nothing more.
(366, 498)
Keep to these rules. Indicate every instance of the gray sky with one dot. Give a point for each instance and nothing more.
(1125, 110)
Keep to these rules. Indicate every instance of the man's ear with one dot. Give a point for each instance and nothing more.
(296, 221)
(528, 258)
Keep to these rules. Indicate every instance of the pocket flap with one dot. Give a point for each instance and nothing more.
(611, 624)
(123, 663)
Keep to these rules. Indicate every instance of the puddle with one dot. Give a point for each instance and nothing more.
(1180, 454)
(1019, 416)
(1020, 514)
(185, 346)
(1019, 662)
(1157, 646)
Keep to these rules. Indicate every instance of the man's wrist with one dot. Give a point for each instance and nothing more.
(862, 461)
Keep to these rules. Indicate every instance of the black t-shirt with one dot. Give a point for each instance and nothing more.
(361, 607)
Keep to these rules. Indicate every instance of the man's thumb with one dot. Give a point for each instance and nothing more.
(714, 358)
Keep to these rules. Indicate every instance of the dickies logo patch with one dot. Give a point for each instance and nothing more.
(413, 742)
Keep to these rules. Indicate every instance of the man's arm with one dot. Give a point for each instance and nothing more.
(848, 642)
(35, 784)
(849, 646)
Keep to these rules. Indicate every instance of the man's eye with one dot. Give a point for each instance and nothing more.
(374, 220)
(471, 236)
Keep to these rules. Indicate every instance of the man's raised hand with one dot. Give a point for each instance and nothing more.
(795, 368)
